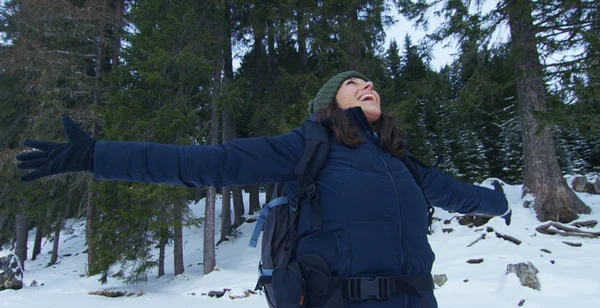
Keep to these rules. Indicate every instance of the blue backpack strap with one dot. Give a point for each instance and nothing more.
(411, 165)
(263, 218)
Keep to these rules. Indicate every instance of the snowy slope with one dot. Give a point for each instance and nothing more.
(571, 279)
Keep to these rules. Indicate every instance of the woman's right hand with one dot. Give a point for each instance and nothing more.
(52, 158)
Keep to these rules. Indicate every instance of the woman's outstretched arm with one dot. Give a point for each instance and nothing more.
(237, 162)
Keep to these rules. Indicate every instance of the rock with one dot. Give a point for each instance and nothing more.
(520, 304)
(218, 294)
(489, 229)
(439, 280)
(546, 250)
(475, 261)
(447, 230)
(579, 183)
(527, 204)
(527, 274)
(466, 280)
(33, 284)
(595, 187)
(473, 220)
(11, 273)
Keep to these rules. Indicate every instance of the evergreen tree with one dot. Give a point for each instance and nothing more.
(51, 60)
(542, 176)
(160, 95)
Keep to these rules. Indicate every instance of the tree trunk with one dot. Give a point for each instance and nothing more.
(301, 24)
(354, 40)
(91, 207)
(178, 240)
(271, 47)
(209, 231)
(229, 126)
(54, 255)
(225, 213)
(3, 226)
(39, 235)
(89, 230)
(109, 44)
(115, 37)
(254, 200)
(227, 51)
(21, 234)
(161, 254)
(199, 194)
(209, 209)
(269, 189)
(554, 200)
(238, 206)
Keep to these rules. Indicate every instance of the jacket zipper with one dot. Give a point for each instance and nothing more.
(397, 207)
(371, 134)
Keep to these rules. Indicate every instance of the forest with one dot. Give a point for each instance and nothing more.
(526, 110)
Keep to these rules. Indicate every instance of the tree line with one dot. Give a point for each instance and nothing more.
(163, 71)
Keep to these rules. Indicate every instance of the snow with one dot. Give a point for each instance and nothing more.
(568, 275)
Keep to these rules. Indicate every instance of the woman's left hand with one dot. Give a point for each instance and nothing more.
(508, 214)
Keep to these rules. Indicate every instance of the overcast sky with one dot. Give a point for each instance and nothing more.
(440, 55)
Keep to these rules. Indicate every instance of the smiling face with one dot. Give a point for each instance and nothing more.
(356, 92)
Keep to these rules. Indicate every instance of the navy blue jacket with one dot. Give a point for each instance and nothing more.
(374, 215)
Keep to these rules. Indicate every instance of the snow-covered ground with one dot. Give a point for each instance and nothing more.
(568, 275)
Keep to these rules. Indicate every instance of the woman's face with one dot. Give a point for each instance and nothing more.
(356, 92)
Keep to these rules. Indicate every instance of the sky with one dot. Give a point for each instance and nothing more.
(568, 275)
(442, 52)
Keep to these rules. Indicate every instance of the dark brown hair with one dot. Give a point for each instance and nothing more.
(391, 138)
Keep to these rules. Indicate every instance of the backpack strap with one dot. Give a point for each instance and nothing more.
(316, 152)
(262, 219)
(411, 165)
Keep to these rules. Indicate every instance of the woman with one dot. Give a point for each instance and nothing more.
(374, 215)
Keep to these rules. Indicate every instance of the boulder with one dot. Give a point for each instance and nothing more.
(11, 273)
(579, 183)
(527, 274)
(595, 187)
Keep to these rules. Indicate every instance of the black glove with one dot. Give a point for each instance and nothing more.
(508, 214)
(56, 158)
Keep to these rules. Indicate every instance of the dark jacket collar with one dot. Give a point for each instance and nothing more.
(357, 116)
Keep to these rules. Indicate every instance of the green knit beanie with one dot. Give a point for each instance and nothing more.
(328, 91)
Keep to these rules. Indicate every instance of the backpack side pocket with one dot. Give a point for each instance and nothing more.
(290, 286)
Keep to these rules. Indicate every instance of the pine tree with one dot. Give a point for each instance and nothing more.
(554, 199)
(52, 59)
(161, 95)
(542, 176)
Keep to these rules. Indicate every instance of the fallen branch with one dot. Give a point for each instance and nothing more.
(477, 240)
(508, 238)
(113, 294)
(565, 230)
(589, 224)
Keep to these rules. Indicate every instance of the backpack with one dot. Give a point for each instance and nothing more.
(281, 276)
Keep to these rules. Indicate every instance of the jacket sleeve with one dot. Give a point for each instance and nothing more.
(452, 195)
(242, 161)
